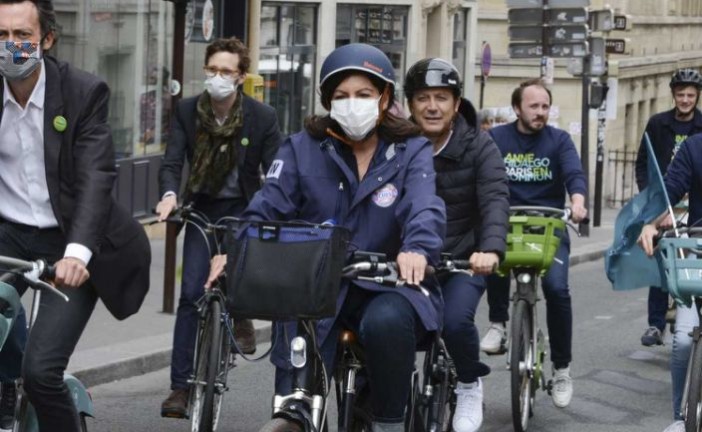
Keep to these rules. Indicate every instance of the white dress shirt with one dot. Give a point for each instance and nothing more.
(23, 186)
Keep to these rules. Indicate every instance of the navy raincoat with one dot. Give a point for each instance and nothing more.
(393, 209)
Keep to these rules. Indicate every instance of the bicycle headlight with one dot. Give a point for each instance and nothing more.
(524, 278)
(298, 352)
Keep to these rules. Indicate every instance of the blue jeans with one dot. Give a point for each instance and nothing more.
(559, 312)
(461, 297)
(657, 307)
(389, 329)
(686, 319)
(196, 267)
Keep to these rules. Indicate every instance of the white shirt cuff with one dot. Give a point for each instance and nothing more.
(76, 250)
(167, 194)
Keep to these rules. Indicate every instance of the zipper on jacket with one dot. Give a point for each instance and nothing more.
(340, 197)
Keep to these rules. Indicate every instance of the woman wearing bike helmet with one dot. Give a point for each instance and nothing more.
(472, 182)
(371, 172)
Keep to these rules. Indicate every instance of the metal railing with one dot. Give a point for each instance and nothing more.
(621, 172)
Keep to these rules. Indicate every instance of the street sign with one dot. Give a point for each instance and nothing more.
(525, 33)
(602, 20)
(617, 46)
(598, 57)
(532, 33)
(526, 16)
(570, 49)
(486, 61)
(568, 33)
(622, 22)
(559, 16)
(525, 50)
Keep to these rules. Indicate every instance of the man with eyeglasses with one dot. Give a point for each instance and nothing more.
(227, 138)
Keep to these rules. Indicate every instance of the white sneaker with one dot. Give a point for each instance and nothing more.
(495, 339)
(562, 390)
(678, 426)
(469, 407)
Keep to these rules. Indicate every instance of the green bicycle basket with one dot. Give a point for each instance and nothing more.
(681, 277)
(532, 242)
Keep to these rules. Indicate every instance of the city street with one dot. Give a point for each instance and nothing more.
(620, 386)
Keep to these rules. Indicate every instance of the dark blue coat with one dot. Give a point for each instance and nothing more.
(685, 176)
(393, 209)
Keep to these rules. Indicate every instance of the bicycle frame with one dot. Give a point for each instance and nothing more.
(527, 290)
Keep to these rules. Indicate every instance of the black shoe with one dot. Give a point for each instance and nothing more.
(652, 336)
(245, 336)
(176, 404)
(7, 405)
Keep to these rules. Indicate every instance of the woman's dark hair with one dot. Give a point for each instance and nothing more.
(519, 91)
(391, 128)
(232, 45)
(47, 16)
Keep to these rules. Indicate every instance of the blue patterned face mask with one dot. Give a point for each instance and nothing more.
(19, 59)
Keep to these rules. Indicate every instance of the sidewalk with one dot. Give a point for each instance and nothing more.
(110, 350)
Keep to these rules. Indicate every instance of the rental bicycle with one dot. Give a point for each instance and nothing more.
(534, 237)
(213, 355)
(33, 273)
(680, 266)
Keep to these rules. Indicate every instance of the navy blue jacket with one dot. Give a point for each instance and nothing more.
(540, 166)
(393, 209)
(685, 176)
(660, 131)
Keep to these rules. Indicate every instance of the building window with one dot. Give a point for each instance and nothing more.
(459, 41)
(127, 44)
(384, 27)
(287, 61)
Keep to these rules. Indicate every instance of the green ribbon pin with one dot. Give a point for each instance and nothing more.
(244, 141)
(60, 123)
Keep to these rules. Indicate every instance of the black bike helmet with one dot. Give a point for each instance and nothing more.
(356, 57)
(685, 77)
(433, 73)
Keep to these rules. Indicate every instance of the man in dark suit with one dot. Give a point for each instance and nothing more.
(57, 171)
(227, 138)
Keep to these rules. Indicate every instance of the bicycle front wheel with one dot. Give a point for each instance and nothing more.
(208, 357)
(520, 363)
(693, 412)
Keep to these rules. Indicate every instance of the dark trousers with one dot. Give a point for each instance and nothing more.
(559, 312)
(388, 328)
(196, 268)
(53, 338)
(461, 298)
(657, 307)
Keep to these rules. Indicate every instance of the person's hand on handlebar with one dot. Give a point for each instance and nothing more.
(71, 272)
(579, 212)
(166, 206)
(648, 233)
(216, 269)
(412, 267)
(484, 263)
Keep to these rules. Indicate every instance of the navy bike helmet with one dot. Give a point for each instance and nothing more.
(357, 57)
(433, 73)
(685, 77)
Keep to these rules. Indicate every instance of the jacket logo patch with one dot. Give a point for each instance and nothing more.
(385, 196)
(275, 169)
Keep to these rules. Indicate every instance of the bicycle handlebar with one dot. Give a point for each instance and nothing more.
(32, 273)
(565, 214)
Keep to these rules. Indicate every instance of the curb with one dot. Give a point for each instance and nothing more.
(153, 361)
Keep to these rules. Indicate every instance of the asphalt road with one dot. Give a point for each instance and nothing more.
(620, 386)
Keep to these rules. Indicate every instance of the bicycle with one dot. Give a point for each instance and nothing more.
(534, 237)
(678, 260)
(32, 273)
(213, 356)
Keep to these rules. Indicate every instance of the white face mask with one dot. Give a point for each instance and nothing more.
(220, 88)
(356, 116)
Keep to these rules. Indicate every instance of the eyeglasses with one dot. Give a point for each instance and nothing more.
(211, 71)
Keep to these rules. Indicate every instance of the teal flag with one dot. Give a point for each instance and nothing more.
(626, 264)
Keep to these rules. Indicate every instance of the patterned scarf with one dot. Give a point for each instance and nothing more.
(215, 153)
